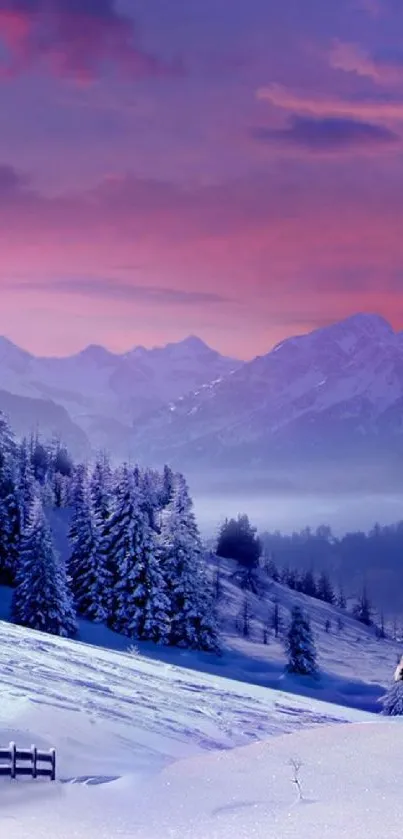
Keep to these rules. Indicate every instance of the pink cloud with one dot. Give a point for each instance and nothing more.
(328, 105)
(353, 59)
(73, 39)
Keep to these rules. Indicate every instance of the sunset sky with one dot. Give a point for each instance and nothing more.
(227, 168)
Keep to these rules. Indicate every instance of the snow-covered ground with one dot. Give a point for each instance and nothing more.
(188, 745)
(155, 728)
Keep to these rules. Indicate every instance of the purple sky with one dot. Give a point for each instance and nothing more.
(231, 169)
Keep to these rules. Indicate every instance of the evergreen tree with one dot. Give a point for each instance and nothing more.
(192, 616)
(308, 584)
(101, 485)
(275, 619)
(138, 605)
(362, 611)
(8, 446)
(142, 605)
(270, 568)
(147, 483)
(237, 540)
(300, 646)
(324, 589)
(244, 618)
(145, 604)
(10, 521)
(85, 568)
(167, 485)
(41, 599)
(26, 482)
(341, 599)
(61, 461)
(60, 486)
(392, 701)
(40, 459)
(380, 630)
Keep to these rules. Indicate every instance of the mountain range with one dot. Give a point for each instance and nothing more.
(333, 394)
(93, 399)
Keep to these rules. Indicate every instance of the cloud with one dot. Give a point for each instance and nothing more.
(288, 100)
(105, 287)
(11, 180)
(371, 7)
(327, 134)
(382, 68)
(74, 38)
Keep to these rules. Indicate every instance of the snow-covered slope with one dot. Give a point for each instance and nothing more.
(147, 750)
(337, 391)
(111, 715)
(171, 743)
(355, 666)
(350, 779)
(105, 392)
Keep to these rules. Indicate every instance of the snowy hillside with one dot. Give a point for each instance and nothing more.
(173, 743)
(148, 750)
(343, 680)
(355, 666)
(114, 716)
(336, 391)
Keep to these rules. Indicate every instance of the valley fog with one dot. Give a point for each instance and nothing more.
(288, 512)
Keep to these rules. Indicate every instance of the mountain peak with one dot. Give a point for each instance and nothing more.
(95, 353)
(8, 348)
(194, 343)
(367, 322)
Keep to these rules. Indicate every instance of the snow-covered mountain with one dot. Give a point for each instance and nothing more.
(102, 392)
(334, 395)
(336, 392)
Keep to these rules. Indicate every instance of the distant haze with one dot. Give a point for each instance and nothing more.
(287, 512)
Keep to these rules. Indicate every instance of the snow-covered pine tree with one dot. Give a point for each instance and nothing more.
(193, 622)
(10, 518)
(60, 474)
(26, 481)
(139, 605)
(40, 459)
(101, 484)
(41, 599)
(300, 646)
(392, 701)
(86, 568)
(8, 446)
(166, 488)
(275, 619)
(149, 486)
(10, 527)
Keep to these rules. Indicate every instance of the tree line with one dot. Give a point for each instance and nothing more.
(136, 558)
(238, 540)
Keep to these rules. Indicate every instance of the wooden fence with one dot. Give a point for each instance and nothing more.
(27, 762)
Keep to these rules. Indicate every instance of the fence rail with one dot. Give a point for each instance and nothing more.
(33, 757)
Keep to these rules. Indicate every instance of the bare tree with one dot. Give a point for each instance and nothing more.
(296, 766)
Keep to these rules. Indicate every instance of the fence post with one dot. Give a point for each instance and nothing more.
(34, 760)
(53, 755)
(13, 758)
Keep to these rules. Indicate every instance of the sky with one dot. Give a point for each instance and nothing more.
(226, 168)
